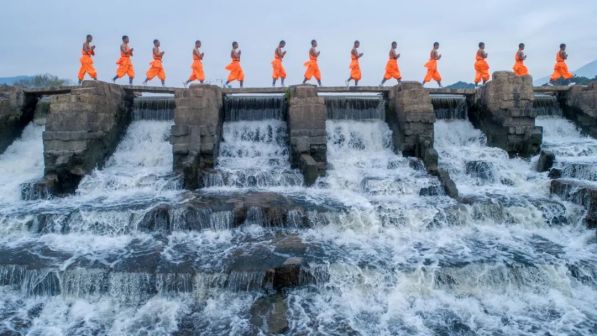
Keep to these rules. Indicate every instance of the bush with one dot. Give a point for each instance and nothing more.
(42, 80)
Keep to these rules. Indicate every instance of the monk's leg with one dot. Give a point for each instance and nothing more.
(282, 81)
(241, 83)
(274, 82)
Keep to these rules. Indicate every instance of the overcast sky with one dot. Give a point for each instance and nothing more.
(46, 36)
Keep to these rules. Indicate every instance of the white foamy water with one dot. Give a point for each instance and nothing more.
(397, 258)
(254, 155)
(576, 154)
(141, 165)
(479, 169)
(23, 161)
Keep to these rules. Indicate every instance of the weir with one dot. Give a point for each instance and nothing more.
(450, 106)
(153, 108)
(353, 107)
(255, 107)
(374, 246)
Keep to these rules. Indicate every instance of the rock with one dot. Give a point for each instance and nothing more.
(309, 168)
(157, 219)
(546, 160)
(578, 192)
(448, 183)
(270, 314)
(555, 173)
(430, 191)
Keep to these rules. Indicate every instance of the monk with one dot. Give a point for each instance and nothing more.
(125, 66)
(86, 60)
(519, 68)
(236, 71)
(278, 68)
(156, 68)
(431, 66)
(355, 68)
(392, 70)
(560, 70)
(481, 66)
(311, 64)
(197, 67)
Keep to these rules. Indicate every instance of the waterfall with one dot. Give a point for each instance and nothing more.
(375, 247)
(153, 108)
(479, 169)
(254, 107)
(21, 163)
(576, 154)
(361, 107)
(447, 106)
(254, 154)
(546, 105)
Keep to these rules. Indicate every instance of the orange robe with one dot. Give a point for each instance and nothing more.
(278, 68)
(355, 68)
(125, 66)
(87, 65)
(432, 72)
(392, 70)
(519, 68)
(560, 69)
(156, 68)
(197, 69)
(312, 68)
(236, 71)
(481, 69)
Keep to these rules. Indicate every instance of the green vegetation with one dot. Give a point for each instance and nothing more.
(42, 80)
(576, 79)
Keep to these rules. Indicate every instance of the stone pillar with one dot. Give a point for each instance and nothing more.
(197, 131)
(82, 131)
(16, 111)
(410, 115)
(306, 127)
(581, 107)
(503, 110)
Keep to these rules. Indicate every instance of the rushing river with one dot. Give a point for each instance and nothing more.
(382, 249)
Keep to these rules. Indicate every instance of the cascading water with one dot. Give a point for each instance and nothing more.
(447, 106)
(254, 148)
(153, 108)
(381, 249)
(363, 107)
(21, 162)
(576, 154)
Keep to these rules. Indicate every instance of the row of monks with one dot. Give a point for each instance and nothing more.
(392, 71)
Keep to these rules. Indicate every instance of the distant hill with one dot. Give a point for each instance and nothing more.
(461, 85)
(12, 80)
(588, 70)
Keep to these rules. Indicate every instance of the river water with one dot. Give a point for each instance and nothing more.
(382, 249)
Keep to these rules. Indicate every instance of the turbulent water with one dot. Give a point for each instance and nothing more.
(384, 251)
(576, 154)
(22, 162)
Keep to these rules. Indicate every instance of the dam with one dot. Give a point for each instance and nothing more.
(300, 210)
